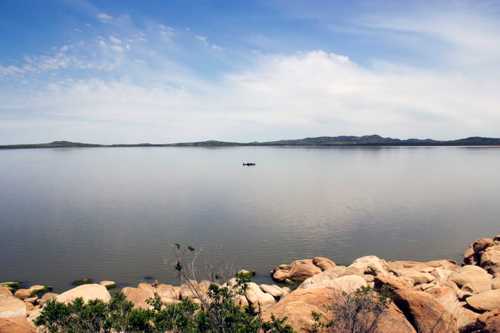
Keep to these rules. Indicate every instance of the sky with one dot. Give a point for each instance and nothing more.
(162, 71)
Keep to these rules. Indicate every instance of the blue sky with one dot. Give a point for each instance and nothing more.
(164, 71)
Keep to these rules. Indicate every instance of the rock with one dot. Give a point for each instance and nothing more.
(138, 296)
(474, 278)
(369, 265)
(447, 297)
(11, 306)
(47, 297)
(321, 279)
(481, 244)
(470, 256)
(390, 320)
(489, 322)
(416, 276)
(423, 266)
(300, 304)
(323, 263)
(391, 281)
(23, 293)
(241, 301)
(12, 285)
(108, 284)
(299, 270)
(246, 274)
(347, 283)
(441, 274)
(16, 325)
(258, 299)
(273, 290)
(38, 289)
(146, 286)
(4, 291)
(426, 314)
(485, 301)
(87, 292)
(490, 259)
(31, 300)
(166, 291)
(495, 283)
(29, 306)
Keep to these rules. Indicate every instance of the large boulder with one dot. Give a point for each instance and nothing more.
(87, 292)
(485, 301)
(299, 305)
(447, 297)
(258, 299)
(416, 276)
(391, 320)
(346, 283)
(490, 259)
(298, 270)
(138, 296)
(372, 265)
(423, 266)
(488, 322)
(323, 263)
(47, 297)
(472, 278)
(11, 307)
(274, 290)
(4, 291)
(16, 325)
(168, 293)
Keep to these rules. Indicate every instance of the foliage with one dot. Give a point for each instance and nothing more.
(357, 312)
(216, 313)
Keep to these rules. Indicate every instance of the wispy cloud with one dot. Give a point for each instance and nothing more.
(105, 18)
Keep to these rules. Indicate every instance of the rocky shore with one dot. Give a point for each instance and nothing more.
(432, 296)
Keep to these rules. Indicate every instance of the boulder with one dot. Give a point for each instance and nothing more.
(300, 304)
(23, 293)
(324, 263)
(490, 259)
(447, 297)
(321, 279)
(16, 325)
(482, 244)
(299, 270)
(488, 322)
(168, 292)
(423, 266)
(241, 301)
(11, 285)
(4, 291)
(346, 283)
(273, 290)
(372, 265)
(138, 296)
(425, 313)
(11, 306)
(416, 276)
(47, 297)
(258, 299)
(472, 278)
(390, 320)
(108, 284)
(87, 292)
(485, 301)
(495, 283)
(470, 256)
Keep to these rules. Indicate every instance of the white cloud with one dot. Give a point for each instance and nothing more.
(105, 18)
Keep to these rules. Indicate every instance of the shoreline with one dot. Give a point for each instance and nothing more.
(466, 291)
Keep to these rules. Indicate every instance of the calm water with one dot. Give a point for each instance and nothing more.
(114, 213)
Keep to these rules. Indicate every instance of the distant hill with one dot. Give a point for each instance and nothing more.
(367, 140)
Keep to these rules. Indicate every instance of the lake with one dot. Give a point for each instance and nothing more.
(114, 213)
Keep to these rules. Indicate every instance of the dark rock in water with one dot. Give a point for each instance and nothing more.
(82, 281)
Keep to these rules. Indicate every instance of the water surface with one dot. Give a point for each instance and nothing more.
(113, 213)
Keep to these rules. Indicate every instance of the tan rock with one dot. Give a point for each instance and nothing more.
(138, 296)
(489, 322)
(416, 276)
(346, 284)
(4, 291)
(423, 266)
(485, 301)
(23, 293)
(470, 256)
(166, 292)
(482, 244)
(16, 325)
(300, 304)
(47, 297)
(258, 299)
(447, 297)
(321, 279)
(31, 300)
(108, 284)
(474, 278)
(370, 265)
(429, 316)
(495, 283)
(38, 288)
(241, 301)
(146, 286)
(87, 292)
(11, 306)
(299, 270)
(273, 290)
(324, 263)
(490, 259)
(391, 319)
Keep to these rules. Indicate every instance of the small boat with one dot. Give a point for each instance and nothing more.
(248, 164)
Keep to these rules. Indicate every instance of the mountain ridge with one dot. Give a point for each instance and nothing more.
(343, 140)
